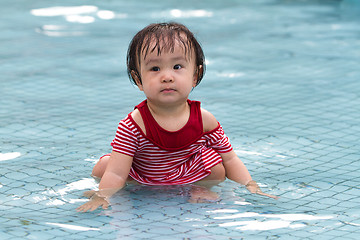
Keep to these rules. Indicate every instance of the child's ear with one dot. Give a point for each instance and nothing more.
(137, 79)
(198, 72)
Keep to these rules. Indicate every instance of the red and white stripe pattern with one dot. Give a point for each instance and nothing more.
(153, 165)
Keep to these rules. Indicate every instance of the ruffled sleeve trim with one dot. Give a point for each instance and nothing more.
(217, 140)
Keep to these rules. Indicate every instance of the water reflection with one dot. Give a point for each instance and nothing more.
(63, 11)
(177, 13)
(58, 31)
(80, 19)
(9, 156)
(74, 14)
(80, 14)
(265, 222)
(73, 227)
(57, 197)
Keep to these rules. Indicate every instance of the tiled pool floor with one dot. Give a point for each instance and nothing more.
(283, 79)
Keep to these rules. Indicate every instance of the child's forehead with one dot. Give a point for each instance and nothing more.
(179, 45)
(162, 48)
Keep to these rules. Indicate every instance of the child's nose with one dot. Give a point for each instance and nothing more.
(167, 77)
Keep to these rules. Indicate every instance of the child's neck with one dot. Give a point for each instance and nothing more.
(170, 117)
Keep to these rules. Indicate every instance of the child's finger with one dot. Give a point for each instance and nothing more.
(94, 207)
(267, 195)
(85, 207)
(105, 205)
(82, 208)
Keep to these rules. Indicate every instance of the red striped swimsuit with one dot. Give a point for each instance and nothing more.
(162, 157)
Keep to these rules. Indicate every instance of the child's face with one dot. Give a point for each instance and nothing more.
(169, 77)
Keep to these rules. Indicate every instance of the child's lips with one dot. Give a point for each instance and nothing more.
(168, 90)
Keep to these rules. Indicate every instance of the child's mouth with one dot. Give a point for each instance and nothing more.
(168, 90)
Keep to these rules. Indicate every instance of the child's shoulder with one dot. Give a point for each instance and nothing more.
(136, 116)
(209, 121)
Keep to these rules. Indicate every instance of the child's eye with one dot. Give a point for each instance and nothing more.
(155, 69)
(177, 67)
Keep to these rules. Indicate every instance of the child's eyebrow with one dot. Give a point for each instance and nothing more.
(158, 60)
(182, 58)
(151, 61)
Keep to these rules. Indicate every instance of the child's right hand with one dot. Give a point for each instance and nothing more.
(94, 202)
(253, 187)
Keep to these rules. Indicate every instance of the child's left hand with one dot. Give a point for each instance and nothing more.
(94, 202)
(253, 187)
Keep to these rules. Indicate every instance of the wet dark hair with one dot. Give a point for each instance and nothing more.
(165, 36)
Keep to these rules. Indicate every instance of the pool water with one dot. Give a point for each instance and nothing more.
(283, 78)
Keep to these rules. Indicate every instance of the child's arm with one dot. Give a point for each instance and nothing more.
(114, 179)
(236, 171)
(234, 167)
